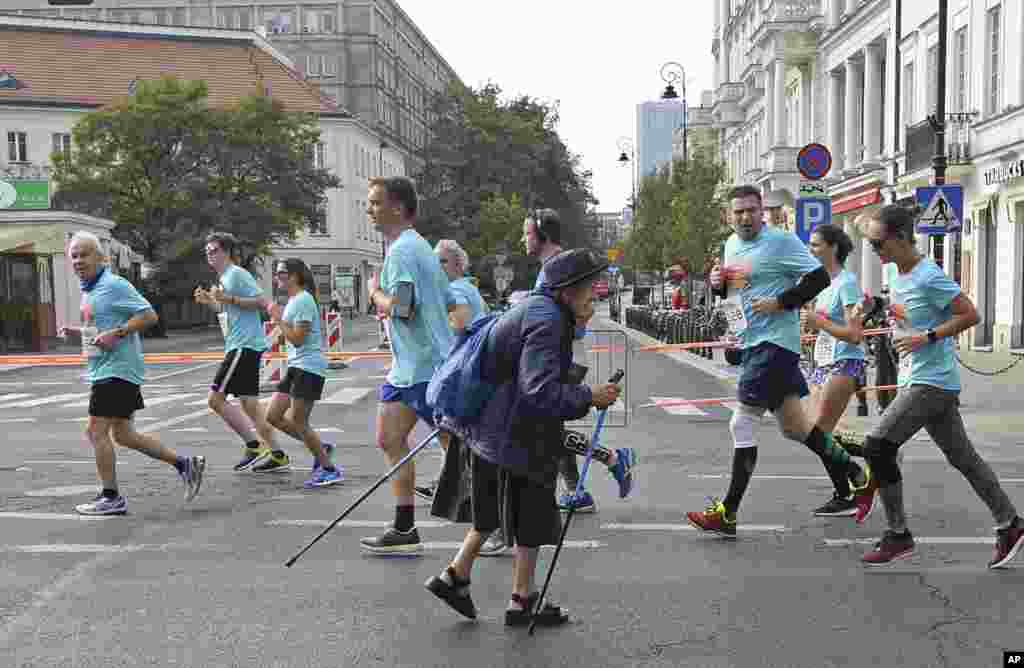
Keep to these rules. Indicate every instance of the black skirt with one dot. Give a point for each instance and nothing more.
(472, 490)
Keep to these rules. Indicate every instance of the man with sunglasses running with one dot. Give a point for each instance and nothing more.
(928, 310)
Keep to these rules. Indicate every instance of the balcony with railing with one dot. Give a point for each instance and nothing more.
(781, 159)
(726, 110)
(791, 17)
(920, 142)
(753, 87)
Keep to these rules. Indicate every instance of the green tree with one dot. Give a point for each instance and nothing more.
(167, 169)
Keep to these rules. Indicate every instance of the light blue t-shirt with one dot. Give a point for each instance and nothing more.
(418, 344)
(309, 356)
(925, 295)
(842, 292)
(245, 327)
(773, 262)
(461, 291)
(112, 302)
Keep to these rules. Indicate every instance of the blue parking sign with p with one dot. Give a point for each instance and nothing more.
(811, 212)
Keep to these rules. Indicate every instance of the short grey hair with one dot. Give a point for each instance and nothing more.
(452, 247)
(87, 237)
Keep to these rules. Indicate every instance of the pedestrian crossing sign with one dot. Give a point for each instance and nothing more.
(943, 209)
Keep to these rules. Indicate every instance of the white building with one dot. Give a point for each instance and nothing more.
(53, 71)
(837, 72)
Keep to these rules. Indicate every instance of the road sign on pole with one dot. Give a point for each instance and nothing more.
(811, 212)
(943, 209)
(814, 161)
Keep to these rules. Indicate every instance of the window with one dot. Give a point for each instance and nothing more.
(993, 32)
(330, 66)
(17, 147)
(932, 79)
(178, 17)
(960, 54)
(243, 19)
(62, 143)
(319, 156)
(313, 65)
(908, 94)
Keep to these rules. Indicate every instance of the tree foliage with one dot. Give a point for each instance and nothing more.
(167, 169)
(490, 160)
(678, 218)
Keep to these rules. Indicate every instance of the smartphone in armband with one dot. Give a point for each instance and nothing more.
(405, 301)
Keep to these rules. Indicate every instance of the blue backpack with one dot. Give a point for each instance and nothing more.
(458, 389)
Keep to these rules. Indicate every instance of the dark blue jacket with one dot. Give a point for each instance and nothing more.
(528, 357)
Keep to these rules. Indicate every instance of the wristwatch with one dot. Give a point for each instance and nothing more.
(932, 336)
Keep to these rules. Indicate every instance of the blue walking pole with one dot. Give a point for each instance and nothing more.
(574, 501)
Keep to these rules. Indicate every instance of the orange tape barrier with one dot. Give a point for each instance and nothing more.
(665, 403)
(670, 347)
(173, 358)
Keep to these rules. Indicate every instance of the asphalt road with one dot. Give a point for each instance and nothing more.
(204, 584)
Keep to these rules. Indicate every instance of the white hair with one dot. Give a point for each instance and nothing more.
(453, 248)
(86, 237)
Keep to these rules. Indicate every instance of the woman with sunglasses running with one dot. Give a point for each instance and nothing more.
(303, 384)
(839, 364)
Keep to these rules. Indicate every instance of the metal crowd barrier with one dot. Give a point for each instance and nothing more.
(678, 325)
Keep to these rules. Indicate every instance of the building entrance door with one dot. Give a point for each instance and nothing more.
(19, 294)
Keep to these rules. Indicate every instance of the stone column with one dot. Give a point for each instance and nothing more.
(851, 6)
(872, 101)
(835, 12)
(871, 270)
(853, 88)
(835, 119)
(779, 102)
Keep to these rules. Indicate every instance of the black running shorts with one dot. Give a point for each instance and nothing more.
(300, 384)
(115, 398)
(239, 373)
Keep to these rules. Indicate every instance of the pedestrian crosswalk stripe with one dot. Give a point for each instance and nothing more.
(8, 420)
(640, 526)
(12, 397)
(569, 544)
(766, 476)
(152, 401)
(71, 517)
(348, 395)
(66, 490)
(363, 524)
(57, 398)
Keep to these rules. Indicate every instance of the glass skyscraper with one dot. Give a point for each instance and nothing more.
(655, 122)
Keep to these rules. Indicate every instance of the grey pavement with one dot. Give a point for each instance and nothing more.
(204, 584)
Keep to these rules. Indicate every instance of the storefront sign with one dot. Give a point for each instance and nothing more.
(856, 201)
(1004, 172)
(21, 194)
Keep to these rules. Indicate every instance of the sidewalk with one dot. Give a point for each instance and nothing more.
(992, 407)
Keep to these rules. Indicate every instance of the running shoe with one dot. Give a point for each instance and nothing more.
(714, 519)
(251, 457)
(1008, 543)
(837, 506)
(103, 505)
(278, 462)
(324, 477)
(192, 476)
(893, 546)
(494, 545)
(455, 595)
(425, 492)
(329, 451)
(584, 503)
(394, 541)
(625, 460)
(865, 497)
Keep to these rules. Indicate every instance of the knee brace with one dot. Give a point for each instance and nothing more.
(881, 454)
(744, 425)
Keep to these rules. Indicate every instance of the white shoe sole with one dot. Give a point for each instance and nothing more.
(256, 462)
(395, 550)
(1010, 555)
(107, 513)
(905, 555)
(280, 469)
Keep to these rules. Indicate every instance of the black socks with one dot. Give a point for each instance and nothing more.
(405, 518)
(836, 460)
(743, 462)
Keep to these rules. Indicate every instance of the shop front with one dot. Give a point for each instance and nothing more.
(850, 203)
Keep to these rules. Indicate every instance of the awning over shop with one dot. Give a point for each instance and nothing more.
(41, 239)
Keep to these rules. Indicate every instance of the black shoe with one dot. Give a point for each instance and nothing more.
(424, 492)
(394, 542)
(455, 595)
(549, 615)
(837, 507)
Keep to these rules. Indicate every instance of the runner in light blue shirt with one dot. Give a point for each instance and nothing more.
(303, 383)
(921, 299)
(465, 302)
(109, 304)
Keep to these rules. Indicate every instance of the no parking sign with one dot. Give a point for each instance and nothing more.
(813, 162)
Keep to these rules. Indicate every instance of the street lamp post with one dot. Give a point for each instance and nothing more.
(627, 156)
(674, 73)
(385, 343)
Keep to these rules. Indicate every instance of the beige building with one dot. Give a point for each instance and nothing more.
(367, 55)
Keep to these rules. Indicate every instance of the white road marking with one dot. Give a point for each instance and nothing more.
(330, 430)
(640, 526)
(60, 462)
(364, 524)
(163, 424)
(184, 371)
(926, 540)
(67, 490)
(72, 548)
(13, 383)
(167, 398)
(571, 544)
(7, 420)
(57, 398)
(53, 382)
(689, 411)
(349, 395)
(192, 429)
(68, 517)
(766, 476)
(13, 397)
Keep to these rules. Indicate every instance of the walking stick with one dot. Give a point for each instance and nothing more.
(364, 495)
(575, 497)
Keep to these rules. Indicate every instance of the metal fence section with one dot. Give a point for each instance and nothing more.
(604, 352)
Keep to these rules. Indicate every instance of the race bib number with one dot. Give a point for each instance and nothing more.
(825, 349)
(732, 309)
(89, 347)
(906, 363)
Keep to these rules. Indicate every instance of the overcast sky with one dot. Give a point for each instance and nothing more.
(597, 59)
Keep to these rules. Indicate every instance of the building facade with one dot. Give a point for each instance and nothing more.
(43, 95)
(367, 55)
(656, 123)
(860, 76)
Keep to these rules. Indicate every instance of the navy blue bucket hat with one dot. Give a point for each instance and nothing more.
(571, 267)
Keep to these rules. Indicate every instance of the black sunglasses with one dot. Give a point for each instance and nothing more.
(876, 244)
